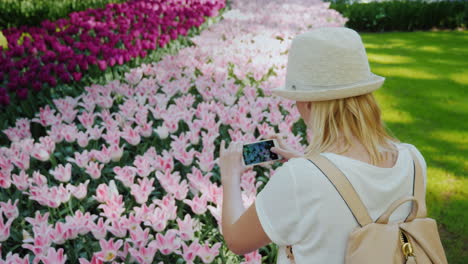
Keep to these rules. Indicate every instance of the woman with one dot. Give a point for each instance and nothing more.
(328, 76)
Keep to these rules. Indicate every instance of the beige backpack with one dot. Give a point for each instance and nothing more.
(415, 240)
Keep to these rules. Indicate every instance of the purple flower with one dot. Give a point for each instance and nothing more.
(37, 86)
(22, 93)
(77, 76)
(5, 100)
(102, 65)
(94, 36)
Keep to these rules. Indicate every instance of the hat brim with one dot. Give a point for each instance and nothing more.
(344, 91)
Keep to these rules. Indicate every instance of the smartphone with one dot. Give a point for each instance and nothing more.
(259, 152)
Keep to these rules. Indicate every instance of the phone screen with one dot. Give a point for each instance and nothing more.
(259, 152)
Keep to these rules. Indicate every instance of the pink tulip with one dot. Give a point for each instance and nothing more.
(21, 181)
(10, 209)
(94, 260)
(186, 227)
(145, 254)
(169, 242)
(94, 169)
(139, 236)
(207, 254)
(108, 249)
(5, 179)
(143, 166)
(253, 258)
(126, 175)
(5, 227)
(81, 159)
(61, 233)
(198, 204)
(142, 190)
(62, 173)
(79, 191)
(190, 252)
(99, 230)
(131, 136)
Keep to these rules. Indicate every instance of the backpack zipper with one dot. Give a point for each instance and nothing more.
(406, 246)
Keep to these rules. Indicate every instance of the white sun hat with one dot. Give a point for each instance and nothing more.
(327, 63)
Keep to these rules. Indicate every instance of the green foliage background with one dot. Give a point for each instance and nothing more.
(403, 15)
(14, 13)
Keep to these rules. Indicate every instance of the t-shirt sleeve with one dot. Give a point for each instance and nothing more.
(421, 160)
(277, 207)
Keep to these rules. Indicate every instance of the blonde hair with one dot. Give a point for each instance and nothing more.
(341, 120)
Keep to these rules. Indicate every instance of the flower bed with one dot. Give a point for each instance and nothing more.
(127, 171)
(92, 40)
(33, 12)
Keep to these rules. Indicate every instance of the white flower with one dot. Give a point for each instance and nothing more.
(162, 132)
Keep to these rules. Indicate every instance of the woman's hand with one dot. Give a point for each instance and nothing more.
(283, 150)
(230, 161)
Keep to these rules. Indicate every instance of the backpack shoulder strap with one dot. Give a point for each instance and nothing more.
(419, 191)
(344, 188)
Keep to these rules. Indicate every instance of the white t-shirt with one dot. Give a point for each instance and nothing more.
(300, 207)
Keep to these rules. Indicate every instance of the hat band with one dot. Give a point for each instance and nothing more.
(324, 87)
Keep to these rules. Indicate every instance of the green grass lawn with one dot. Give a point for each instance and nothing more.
(424, 102)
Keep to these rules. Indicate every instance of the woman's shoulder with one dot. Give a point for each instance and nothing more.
(413, 149)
